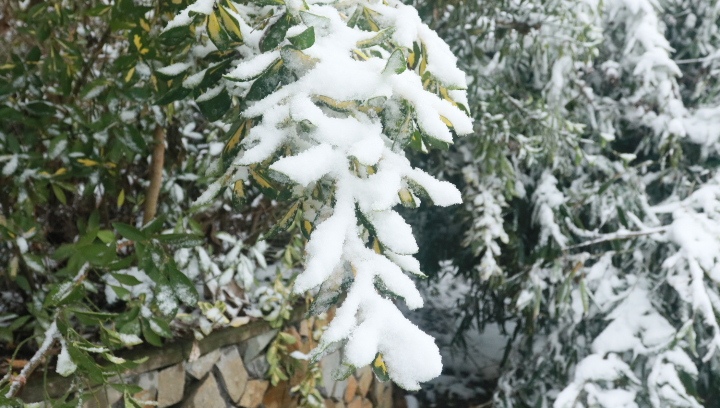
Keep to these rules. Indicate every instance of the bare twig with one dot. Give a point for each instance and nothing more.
(156, 169)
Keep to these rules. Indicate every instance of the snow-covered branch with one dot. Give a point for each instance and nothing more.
(334, 97)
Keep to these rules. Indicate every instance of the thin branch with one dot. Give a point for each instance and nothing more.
(696, 60)
(618, 236)
(156, 169)
(85, 74)
(51, 335)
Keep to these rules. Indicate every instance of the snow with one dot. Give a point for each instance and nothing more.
(129, 339)
(310, 165)
(441, 193)
(174, 69)
(166, 300)
(211, 93)
(547, 197)
(94, 92)
(394, 232)
(183, 19)
(194, 80)
(12, 165)
(145, 286)
(597, 368)
(65, 365)
(254, 67)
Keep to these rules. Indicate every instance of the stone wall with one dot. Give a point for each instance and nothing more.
(227, 369)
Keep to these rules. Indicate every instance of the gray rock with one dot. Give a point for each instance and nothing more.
(205, 396)
(329, 365)
(171, 385)
(232, 373)
(255, 345)
(258, 367)
(203, 364)
(148, 381)
(102, 397)
(339, 390)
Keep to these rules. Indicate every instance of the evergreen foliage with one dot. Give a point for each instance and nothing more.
(590, 191)
(590, 221)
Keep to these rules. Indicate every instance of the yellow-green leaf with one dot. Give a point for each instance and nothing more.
(231, 25)
(380, 369)
(121, 198)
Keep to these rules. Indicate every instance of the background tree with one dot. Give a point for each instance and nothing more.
(593, 237)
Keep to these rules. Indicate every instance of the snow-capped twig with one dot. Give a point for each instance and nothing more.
(18, 381)
(51, 335)
(615, 236)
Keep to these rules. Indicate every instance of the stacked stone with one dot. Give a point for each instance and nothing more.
(219, 378)
(233, 376)
(360, 390)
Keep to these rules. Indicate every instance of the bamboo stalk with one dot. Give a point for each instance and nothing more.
(156, 168)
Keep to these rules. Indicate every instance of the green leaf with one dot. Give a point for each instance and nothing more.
(126, 279)
(154, 226)
(304, 40)
(121, 292)
(275, 34)
(215, 106)
(285, 222)
(130, 232)
(396, 64)
(89, 366)
(230, 24)
(176, 35)
(183, 287)
(214, 73)
(287, 338)
(161, 327)
(18, 322)
(63, 293)
(106, 236)
(217, 33)
(268, 82)
(120, 264)
(377, 39)
(174, 94)
(181, 240)
(150, 336)
(95, 315)
(320, 23)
